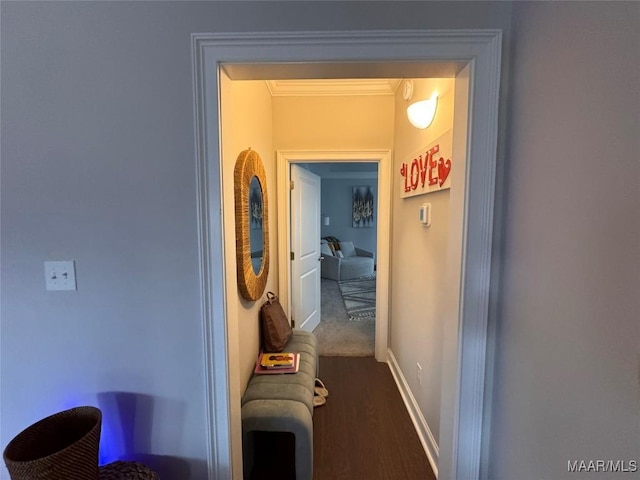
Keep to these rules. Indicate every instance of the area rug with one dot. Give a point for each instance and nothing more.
(337, 336)
(359, 297)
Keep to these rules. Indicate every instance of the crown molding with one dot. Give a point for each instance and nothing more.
(333, 87)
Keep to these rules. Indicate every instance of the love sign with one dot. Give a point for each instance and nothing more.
(428, 170)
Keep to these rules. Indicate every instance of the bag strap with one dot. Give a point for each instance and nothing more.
(271, 297)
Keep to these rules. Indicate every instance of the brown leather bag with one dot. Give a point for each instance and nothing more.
(275, 328)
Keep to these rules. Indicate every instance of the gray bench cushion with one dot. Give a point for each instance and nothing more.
(284, 403)
(295, 386)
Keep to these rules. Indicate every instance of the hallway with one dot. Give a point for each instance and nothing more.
(363, 432)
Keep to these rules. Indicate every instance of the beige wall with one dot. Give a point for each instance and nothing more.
(246, 122)
(341, 122)
(419, 258)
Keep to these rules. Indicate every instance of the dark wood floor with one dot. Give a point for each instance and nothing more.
(363, 431)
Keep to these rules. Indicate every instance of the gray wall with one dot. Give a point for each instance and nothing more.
(337, 201)
(98, 166)
(566, 378)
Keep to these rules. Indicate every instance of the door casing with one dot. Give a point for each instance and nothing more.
(460, 454)
(284, 159)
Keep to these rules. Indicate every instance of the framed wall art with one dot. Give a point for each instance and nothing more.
(363, 207)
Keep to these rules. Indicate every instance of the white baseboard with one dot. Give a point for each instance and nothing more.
(422, 428)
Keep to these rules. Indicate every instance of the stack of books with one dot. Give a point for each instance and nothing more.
(284, 362)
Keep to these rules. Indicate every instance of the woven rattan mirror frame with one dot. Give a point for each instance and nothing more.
(251, 284)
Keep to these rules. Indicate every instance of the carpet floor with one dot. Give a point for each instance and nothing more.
(359, 297)
(337, 335)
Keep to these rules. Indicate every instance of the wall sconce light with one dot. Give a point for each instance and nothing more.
(325, 220)
(421, 113)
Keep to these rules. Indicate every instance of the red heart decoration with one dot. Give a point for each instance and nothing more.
(444, 168)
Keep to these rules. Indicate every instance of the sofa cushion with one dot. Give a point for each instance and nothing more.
(355, 267)
(348, 249)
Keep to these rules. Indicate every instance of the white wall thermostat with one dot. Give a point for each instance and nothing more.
(425, 214)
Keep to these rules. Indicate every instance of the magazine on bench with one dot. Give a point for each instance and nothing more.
(277, 360)
(277, 365)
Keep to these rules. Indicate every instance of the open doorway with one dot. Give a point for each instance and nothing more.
(466, 327)
(380, 160)
(349, 207)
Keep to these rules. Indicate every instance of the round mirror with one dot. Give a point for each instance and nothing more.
(252, 224)
(256, 232)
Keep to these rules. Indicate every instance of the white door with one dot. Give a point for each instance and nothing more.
(305, 246)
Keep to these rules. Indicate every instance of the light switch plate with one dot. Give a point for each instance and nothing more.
(425, 214)
(60, 275)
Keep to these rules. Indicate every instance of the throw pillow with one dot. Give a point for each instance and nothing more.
(348, 249)
(325, 249)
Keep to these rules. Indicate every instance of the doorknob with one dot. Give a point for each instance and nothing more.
(321, 258)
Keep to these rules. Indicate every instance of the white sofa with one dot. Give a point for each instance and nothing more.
(347, 263)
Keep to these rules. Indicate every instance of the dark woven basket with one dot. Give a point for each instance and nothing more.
(127, 471)
(63, 446)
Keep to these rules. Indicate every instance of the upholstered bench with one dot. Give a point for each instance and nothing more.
(284, 403)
